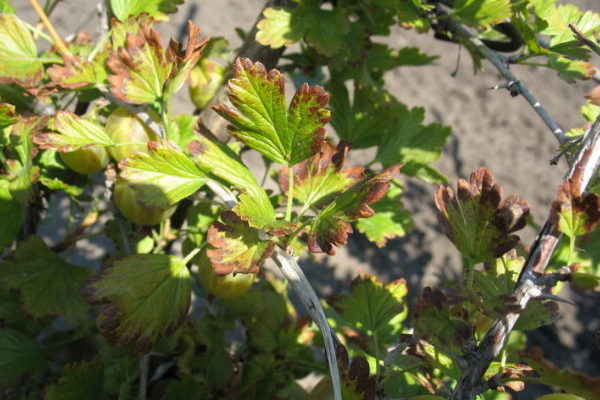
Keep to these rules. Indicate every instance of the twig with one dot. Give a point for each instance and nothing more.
(514, 83)
(529, 284)
(55, 37)
(583, 39)
(293, 273)
(144, 367)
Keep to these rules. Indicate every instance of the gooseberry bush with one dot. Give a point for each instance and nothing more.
(189, 303)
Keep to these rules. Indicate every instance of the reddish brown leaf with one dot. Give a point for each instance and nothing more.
(476, 220)
(574, 213)
(238, 248)
(331, 227)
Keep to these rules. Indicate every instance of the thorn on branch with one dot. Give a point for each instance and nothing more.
(584, 39)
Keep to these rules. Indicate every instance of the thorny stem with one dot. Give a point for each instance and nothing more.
(529, 285)
(290, 194)
(55, 37)
(514, 83)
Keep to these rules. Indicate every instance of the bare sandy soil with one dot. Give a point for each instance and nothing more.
(489, 128)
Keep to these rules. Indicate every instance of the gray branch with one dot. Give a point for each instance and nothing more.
(529, 284)
(514, 84)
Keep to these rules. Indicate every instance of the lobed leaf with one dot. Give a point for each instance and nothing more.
(331, 227)
(69, 132)
(78, 72)
(48, 284)
(482, 13)
(573, 382)
(324, 29)
(260, 118)
(140, 69)
(373, 307)
(145, 297)
(7, 115)
(19, 62)
(476, 220)
(237, 247)
(391, 219)
(20, 355)
(442, 320)
(79, 381)
(162, 177)
(575, 214)
(122, 9)
(322, 175)
(254, 206)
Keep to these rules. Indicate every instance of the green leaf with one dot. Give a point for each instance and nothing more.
(198, 218)
(570, 70)
(184, 132)
(496, 283)
(56, 176)
(276, 29)
(373, 307)
(573, 382)
(362, 121)
(47, 283)
(221, 163)
(12, 215)
(6, 7)
(574, 213)
(7, 115)
(140, 70)
(380, 57)
(20, 355)
(237, 247)
(163, 177)
(331, 227)
(19, 62)
(262, 121)
(481, 13)
(322, 175)
(70, 132)
(440, 320)
(324, 29)
(537, 314)
(78, 72)
(155, 8)
(391, 219)
(79, 381)
(559, 396)
(477, 220)
(184, 389)
(145, 296)
(408, 140)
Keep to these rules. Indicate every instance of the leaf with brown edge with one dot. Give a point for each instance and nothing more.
(575, 214)
(140, 69)
(237, 247)
(477, 220)
(570, 381)
(19, 62)
(260, 118)
(183, 59)
(69, 132)
(78, 72)
(440, 318)
(332, 226)
(145, 297)
(220, 163)
(322, 175)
